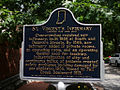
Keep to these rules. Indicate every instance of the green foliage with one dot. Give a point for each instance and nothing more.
(16, 13)
(106, 59)
(105, 13)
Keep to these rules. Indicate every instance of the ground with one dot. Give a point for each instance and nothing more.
(111, 79)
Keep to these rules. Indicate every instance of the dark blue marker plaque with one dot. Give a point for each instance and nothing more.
(62, 49)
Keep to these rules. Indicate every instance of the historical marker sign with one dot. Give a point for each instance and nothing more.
(62, 49)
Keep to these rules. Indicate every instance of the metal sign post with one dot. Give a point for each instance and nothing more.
(61, 86)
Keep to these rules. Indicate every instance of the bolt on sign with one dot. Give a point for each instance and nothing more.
(62, 49)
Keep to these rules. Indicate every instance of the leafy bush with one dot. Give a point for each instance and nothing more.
(106, 59)
(101, 12)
